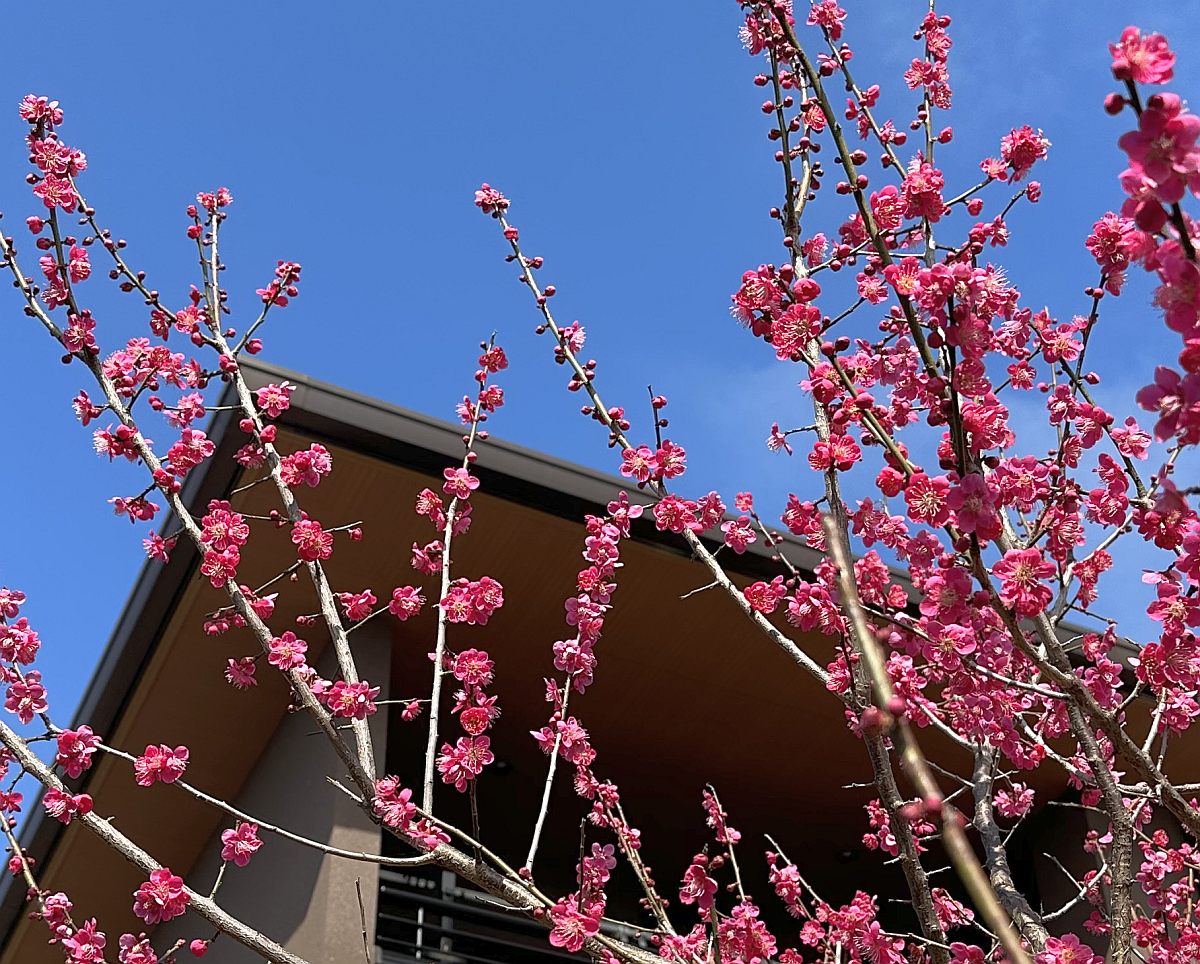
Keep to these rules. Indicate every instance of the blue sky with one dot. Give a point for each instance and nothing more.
(629, 137)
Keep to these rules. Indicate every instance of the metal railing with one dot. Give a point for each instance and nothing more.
(430, 917)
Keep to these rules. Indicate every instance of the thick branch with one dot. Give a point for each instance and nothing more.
(959, 849)
(1026, 919)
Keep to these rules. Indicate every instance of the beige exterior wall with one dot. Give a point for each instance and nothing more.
(305, 900)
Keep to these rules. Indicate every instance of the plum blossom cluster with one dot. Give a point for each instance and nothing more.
(741, 934)
(160, 764)
(392, 804)
(162, 897)
(564, 736)
(86, 943)
(240, 843)
(477, 711)
(463, 601)
(577, 916)
(346, 700)
(470, 602)
(283, 287)
(645, 465)
(24, 694)
(1151, 229)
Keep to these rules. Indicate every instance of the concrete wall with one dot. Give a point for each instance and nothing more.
(303, 899)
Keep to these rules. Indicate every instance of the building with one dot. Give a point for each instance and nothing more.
(709, 700)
